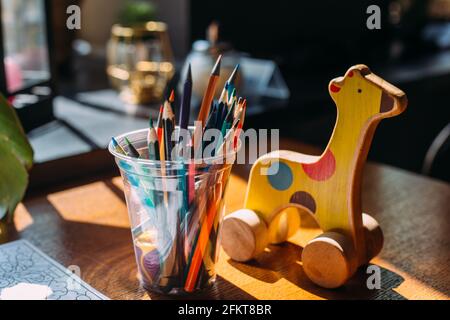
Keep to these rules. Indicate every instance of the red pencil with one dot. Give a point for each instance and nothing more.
(159, 124)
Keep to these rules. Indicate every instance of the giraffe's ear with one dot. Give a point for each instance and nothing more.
(359, 69)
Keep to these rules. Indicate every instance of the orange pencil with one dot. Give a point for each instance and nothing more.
(172, 97)
(209, 93)
(206, 103)
(202, 242)
(240, 124)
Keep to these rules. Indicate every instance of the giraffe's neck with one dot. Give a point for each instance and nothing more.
(350, 144)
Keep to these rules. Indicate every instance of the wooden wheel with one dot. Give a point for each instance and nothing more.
(329, 260)
(373, 236)
(244, 235)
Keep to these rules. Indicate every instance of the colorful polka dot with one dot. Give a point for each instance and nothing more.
(305, 199)
(323, 169)
(280, 176)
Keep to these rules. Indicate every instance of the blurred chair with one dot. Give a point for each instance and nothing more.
(437, 158)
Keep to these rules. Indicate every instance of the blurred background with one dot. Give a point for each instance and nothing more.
(74, 88)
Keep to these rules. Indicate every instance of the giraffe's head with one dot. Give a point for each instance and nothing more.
(366, 95)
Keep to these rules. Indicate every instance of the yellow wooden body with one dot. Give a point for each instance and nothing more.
(362, 100)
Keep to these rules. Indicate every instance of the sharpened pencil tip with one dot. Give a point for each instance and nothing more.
(172, 96)
(232, 78)
(150, 123)
(167, 112)
(152, 136)
(189, 74)
(117, 146)
(216, 69)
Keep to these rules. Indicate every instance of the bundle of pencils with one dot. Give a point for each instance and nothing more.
(188, 224)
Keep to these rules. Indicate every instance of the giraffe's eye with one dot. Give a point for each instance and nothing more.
(359, 90)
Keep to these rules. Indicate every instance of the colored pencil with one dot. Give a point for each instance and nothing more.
(239, 107)
(232, 97)
(159, 123)
(240, 118)
(152, 143)
(172, 96)
(168, 120)
(233, 134)
(224, 94)
(209, 93)
(210, 123)
(224, 114)
(232, 80)
(185, 111)
(131, 149)
(185, 108)
(230, 115)
(202, 241)
(221, 114)
(206, 104)
(117, 146)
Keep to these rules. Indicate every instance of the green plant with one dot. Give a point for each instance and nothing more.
(136, 12)
(16, 158)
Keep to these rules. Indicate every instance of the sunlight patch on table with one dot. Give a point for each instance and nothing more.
(22, 218)
(93, 203)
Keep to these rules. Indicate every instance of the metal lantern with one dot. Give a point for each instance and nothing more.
(26, 72)
(140, 61)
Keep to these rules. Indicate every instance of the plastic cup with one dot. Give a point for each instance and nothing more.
(175, 210)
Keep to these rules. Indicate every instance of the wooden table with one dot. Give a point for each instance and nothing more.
(87, 225)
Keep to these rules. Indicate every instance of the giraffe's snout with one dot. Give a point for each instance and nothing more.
(334, 88)
(393, 100)
(392, 104)
(336, 85)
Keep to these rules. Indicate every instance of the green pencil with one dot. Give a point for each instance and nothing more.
(132, 150)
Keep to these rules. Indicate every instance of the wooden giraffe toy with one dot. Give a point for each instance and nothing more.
(328, 187)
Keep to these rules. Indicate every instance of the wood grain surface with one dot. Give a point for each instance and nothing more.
(86, 224)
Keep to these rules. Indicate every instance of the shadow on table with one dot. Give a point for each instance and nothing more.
(221, 290)
(103, 253)
(283, 261)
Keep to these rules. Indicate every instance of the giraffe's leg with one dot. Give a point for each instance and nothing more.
(269, 192)
(247, 232)
(329, 260)
(283, 225)
(373, 236)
